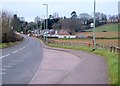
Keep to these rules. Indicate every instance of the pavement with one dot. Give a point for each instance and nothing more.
(64, 66)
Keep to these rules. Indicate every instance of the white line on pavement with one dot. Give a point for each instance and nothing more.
(4, 56)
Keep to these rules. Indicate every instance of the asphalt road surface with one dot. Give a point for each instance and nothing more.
(21, 62)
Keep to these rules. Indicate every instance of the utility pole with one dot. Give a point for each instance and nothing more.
(94, 43)
(46, 19)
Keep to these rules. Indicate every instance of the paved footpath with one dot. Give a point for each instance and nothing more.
(62, 66)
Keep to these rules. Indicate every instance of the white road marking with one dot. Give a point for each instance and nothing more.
(21, 48)
(7, 66)
(11, 64)
(2, 73)
(16, 51)
(4, 56)
(2, 69)
(18, 60)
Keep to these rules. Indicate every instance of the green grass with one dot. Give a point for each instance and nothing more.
(111, 58)
(5, 45)
(106, 27)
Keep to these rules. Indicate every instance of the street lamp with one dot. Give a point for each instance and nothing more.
(94, 27)
(46, 19)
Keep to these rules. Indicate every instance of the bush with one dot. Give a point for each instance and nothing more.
(104, 31)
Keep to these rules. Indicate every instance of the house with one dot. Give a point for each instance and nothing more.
(63, 32)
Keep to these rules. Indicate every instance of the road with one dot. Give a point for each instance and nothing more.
(21, 62)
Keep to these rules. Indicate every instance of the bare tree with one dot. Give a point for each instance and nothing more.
(55, 15)
(70, 25)
(73, 15)
(85, 16)
(5, 19)
(38, 21)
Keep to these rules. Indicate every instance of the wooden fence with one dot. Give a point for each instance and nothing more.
(86, 44)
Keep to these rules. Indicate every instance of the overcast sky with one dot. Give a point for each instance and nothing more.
(29, 9)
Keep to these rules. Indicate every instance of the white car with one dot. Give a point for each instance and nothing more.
(29, 34)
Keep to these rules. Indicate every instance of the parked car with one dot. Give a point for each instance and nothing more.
(29, 35)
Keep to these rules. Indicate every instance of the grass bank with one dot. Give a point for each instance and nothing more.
(111, 59)
(106, 27)
(5, 45)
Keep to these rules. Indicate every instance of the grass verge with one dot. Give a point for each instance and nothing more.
(5, 45)
(111, 59)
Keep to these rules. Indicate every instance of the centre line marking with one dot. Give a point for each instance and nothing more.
(21, 48)
(16, 51)
(18, 60)
(2, 69)
(4, 56)
(7, 66)
(2, 73)
(11, 64)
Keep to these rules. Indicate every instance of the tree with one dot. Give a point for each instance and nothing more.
(113, 18)
(38, 22)
(5, 28)
(70, 25)
(16, 23)
(22, 18)
(119, 17)
(56, 26)
(24, 26)
(73, 15)
(85, 16)
(55, 15)
(50, 16)
(100, 16)
(31, 26)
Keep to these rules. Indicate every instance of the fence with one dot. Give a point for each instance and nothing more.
(86, 44)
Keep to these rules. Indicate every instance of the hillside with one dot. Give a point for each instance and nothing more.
(106, 27)
(111, 31)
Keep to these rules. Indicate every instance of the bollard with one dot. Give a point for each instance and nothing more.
(114, 49)
(111, 49)
(88, 44)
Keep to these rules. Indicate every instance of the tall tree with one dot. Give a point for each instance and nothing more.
(70, 25)
(38, 22)
(55, 15)
(73, 15)
(85, 16)
(5, 28)
(16, 23)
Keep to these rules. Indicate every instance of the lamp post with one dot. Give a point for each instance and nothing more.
(94, 27)
(46, 19)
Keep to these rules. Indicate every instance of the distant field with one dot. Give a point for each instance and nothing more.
(111, 31)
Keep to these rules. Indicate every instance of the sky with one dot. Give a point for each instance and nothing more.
(29, 9)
